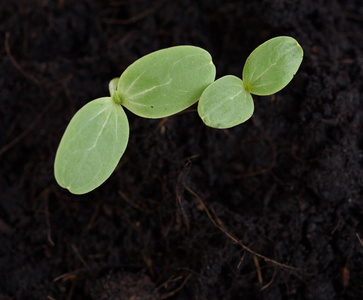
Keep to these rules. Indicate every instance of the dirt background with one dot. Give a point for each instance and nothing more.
(191, 212)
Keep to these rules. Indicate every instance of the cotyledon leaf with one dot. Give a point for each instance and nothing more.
(166, 82)
(91, 146)
(225, 103)
(272, 65)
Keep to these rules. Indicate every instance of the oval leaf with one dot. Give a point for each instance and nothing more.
(272, 65)
(91, 146)
(166, 82)
(225, 103)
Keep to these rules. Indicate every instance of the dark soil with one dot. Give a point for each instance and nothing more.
(191, 212)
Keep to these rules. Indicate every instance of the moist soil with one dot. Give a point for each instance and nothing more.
(270, 209)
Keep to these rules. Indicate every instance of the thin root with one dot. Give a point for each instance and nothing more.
(220, 226)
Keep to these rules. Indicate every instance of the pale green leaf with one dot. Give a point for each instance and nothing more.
(272, 65)
(91, 146)
(225, 103)
(166, 82)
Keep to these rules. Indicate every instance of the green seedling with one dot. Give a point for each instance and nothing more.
(161, 84)
(270, 67)
(157, 85)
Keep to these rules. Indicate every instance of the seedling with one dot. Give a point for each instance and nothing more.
(270, 67)
(161, 84)
(157, 85)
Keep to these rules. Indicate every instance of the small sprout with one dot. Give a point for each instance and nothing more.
(270, 67)
(166, 82)
(161, 84)
(157, 85)
(91, 146)
(112, 86)
(225, 103)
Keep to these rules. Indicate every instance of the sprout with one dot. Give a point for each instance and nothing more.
(155, 86)
(161, 84)
(270, 67)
